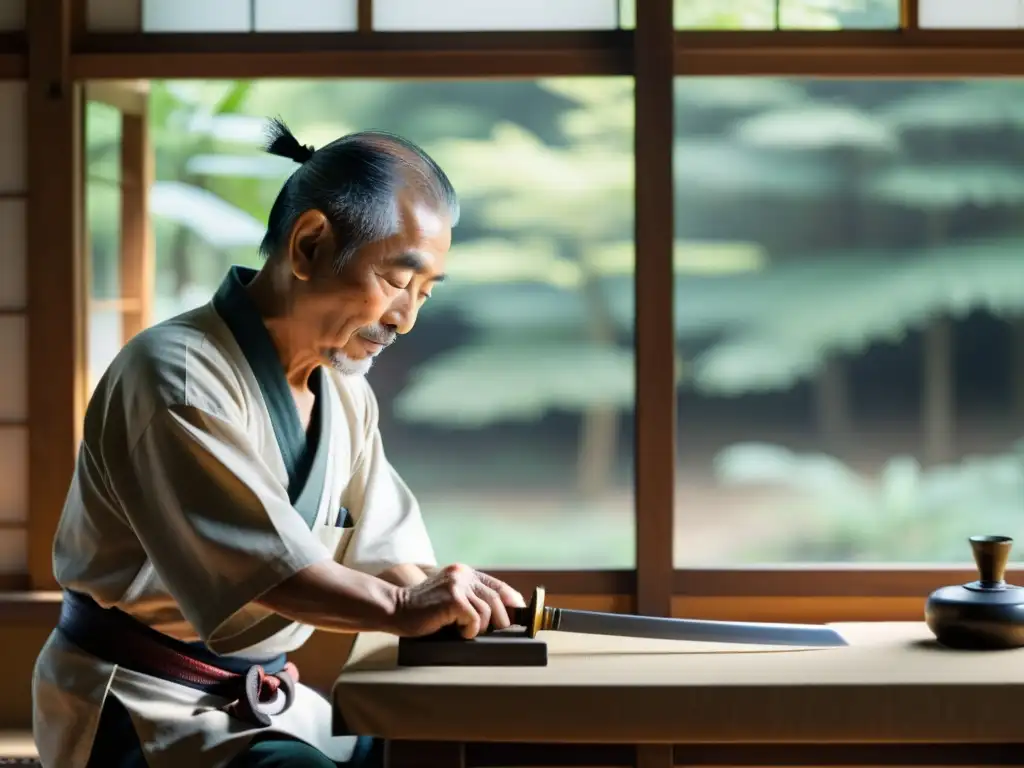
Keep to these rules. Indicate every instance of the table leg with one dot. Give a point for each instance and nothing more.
(424, 754)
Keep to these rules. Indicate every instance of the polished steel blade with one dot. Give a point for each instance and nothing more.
(751, 633)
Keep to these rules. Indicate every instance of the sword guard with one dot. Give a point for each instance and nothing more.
(533, 616)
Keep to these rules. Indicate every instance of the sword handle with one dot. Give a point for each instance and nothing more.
(534, 615)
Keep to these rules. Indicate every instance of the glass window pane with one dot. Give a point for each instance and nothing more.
(981, 14)
(113, 15)
(103, 221)
(850, 313)
(477, 15)
(306, 15)
(196, 16)
(14, 382)
(12, 128)
(12, 15)
(13, 288)
(509, 409)
(14, 488)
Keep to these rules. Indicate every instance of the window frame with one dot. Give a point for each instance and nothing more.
(58, 51)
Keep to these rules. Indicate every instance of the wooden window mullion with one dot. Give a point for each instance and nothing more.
(653, 51)
(136, 253)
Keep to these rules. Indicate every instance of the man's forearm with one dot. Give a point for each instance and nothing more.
(407, 575)
(332, 597)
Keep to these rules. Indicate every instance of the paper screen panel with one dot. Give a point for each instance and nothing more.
(13, 551)
(14, 466)
(12, 254)
(979, 14)
(482, 15)
(13, 382)
(12, 128)
(306, 15)
(196, 16)
(105, 339)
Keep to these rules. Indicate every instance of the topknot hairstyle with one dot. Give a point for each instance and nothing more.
(354, 181)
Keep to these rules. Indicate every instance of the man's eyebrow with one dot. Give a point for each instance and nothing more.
(415, 262)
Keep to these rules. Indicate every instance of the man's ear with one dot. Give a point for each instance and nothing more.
(311, 243)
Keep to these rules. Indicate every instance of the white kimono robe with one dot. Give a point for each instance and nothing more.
(194, 494)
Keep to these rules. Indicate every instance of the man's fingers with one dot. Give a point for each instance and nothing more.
(482, 612)
(499, 616)
(508, 595)
(468, 620)
(473, 601)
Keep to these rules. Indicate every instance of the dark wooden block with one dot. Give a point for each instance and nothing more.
(485, 651)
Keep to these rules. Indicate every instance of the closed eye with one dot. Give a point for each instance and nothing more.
(401, 282)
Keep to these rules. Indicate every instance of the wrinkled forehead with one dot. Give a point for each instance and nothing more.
(419, 217)
(420, 238)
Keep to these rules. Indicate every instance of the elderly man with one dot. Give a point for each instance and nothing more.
(232, 493)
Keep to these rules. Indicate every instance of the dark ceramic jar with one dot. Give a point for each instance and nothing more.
(986, 614)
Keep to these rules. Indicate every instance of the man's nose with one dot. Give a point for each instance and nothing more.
(400, 319)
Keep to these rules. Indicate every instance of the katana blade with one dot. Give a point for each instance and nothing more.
(751, 633)
(537, 618)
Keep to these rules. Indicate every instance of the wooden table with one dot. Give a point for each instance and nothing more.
(892, 697)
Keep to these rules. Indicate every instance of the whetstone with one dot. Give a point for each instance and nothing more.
(495, 650)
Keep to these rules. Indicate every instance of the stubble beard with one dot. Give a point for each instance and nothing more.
(347, 366)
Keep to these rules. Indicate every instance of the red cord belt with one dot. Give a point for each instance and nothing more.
(117, 638)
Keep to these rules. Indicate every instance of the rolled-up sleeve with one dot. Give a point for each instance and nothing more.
(216, 524)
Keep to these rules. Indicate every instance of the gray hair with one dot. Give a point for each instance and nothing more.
(354, 181)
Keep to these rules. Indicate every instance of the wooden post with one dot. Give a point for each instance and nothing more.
(364, 15)
(909, 14)
(655, 446)
(138, 268)
(655, 332)
(55, 297)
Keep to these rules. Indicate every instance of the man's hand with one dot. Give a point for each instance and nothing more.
(458, 595)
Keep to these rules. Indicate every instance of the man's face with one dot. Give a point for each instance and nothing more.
(358, 313)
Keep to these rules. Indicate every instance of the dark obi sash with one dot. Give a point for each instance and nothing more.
(117, 638)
